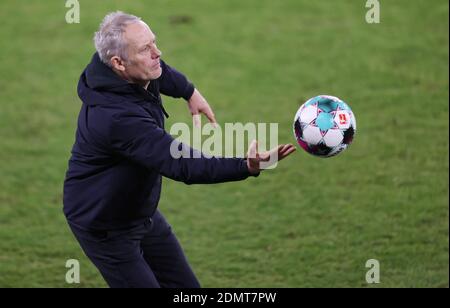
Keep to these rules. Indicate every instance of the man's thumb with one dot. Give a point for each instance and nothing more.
(253, 150)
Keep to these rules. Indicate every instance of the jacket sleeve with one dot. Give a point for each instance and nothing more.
(173, 83)
(138, 138)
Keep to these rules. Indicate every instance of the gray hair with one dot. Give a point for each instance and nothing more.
(109, 40)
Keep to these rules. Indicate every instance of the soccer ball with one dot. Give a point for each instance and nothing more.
(324, 126)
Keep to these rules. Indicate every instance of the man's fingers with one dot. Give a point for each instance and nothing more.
(286, 154)
(196, 119)
(266, 156)
(287, 150)
(257, 152)
(283, 148)
(208, 113)
(211, 117)
(281, 151)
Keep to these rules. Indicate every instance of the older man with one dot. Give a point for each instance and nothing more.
(113, 182)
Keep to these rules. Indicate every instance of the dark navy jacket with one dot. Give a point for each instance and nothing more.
(121, 150)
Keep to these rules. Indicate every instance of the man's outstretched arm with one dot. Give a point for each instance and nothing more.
(137, 137)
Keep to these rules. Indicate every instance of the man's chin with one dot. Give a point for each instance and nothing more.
(155, 74)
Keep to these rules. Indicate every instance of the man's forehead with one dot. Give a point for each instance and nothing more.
(139, 33)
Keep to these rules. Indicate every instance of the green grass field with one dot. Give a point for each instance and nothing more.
(310, 222)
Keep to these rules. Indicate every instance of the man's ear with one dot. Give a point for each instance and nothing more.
(117, 63)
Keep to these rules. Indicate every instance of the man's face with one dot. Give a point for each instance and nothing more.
(143, 55)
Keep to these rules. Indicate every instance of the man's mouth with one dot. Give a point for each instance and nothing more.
(156, 66)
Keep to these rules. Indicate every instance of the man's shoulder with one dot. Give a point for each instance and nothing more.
(103, 117)
(113, 105)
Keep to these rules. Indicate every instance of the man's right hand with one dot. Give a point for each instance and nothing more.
(254, 158)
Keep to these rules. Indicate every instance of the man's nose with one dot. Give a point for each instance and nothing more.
(156, 53)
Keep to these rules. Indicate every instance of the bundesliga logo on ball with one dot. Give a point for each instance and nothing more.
(324, 126)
